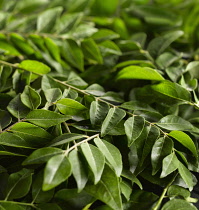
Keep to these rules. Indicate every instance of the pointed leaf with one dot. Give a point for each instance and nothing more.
(172, 90)
(169, 164)
(161, 148)
(107, 190)
(186, 176)
(30, 98)
(137, 72)
(78, 169)
(185, 140)
(113, 117)
(57, 170)
(112, 155)
(53, 94)
(98, 112)
(46, 118)
(175, 190)
(5, 119)
(95, 160)
(47, 20)
(133, 128)
(34, 67)
(70, 107)
(173, 122)
(42, 155)
(19, 184)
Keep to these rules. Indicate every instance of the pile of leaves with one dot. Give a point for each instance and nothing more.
(99, 104)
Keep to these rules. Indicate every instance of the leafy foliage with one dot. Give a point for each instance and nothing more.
(99, 104)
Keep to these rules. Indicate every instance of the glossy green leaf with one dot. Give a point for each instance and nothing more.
(32, 134)
(17, 108)
(57, 170)
(9, 205)
(91, 51)
(112, 155)
(169, 164)
(12, 140)
(159, 44)
(34, 67)
(173, 122)
(30, 98)
(46, 118)
(185, 140)
(175, 190)
(66, 138)
(78, 169)
(95, 160)
(133, 128)
(19, 184)
(161, 148)
(70, 107)
(186, 176)
(172, 90)
(192, 68)
(38, 195)
(136, 72)
(9, 49)
(109, 48)
(107, 190)
(5, 119)
(73, 54)
(98, 112)
(126, 189)
(42, 155)
(178, 204)
(113, 117)
(47, 20)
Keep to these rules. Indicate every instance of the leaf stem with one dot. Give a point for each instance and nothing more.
(19, 203)
(159, 202)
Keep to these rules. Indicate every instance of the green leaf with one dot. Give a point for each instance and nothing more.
(133, 128)
(112, 155)
(12, 140)
(47, 20)
(9, 49)
(98, 112)
(161, 148)
(104, 34)
(95, 160)
(186, 176)
(73, 54)
(70, 107)
(49, 206)
(78, 169)
(57, 170)
(169, 164)
(172, 90)
(66, 138)
(17, 108)
(5, 119)
(91, 51)
(38, 195)
(159, 44)
(126, 189)
(173, 122)
(178, 204)
(109, 48)
(30, 98)
(175, 190)
(42, 155)
(10, 206)
(107, 190)
(34, 67)
(46, 118)
(32, 134)
(113, 117)
(53, 94)
(19, 184)
(185, 140)
(152, 136)
(137, 72)
(192, 68)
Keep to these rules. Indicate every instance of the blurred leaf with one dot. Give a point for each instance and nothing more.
(175, 190)
(178, 204)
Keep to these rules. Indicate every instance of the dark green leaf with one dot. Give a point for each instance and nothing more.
(57, 170)
(175, 190)
(113, 117)
(46, 118)
(178, 204)
(5, 119)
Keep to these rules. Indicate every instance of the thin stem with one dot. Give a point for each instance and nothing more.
(159, 202)
(19, 203)
(7, 129)
(81, 142)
